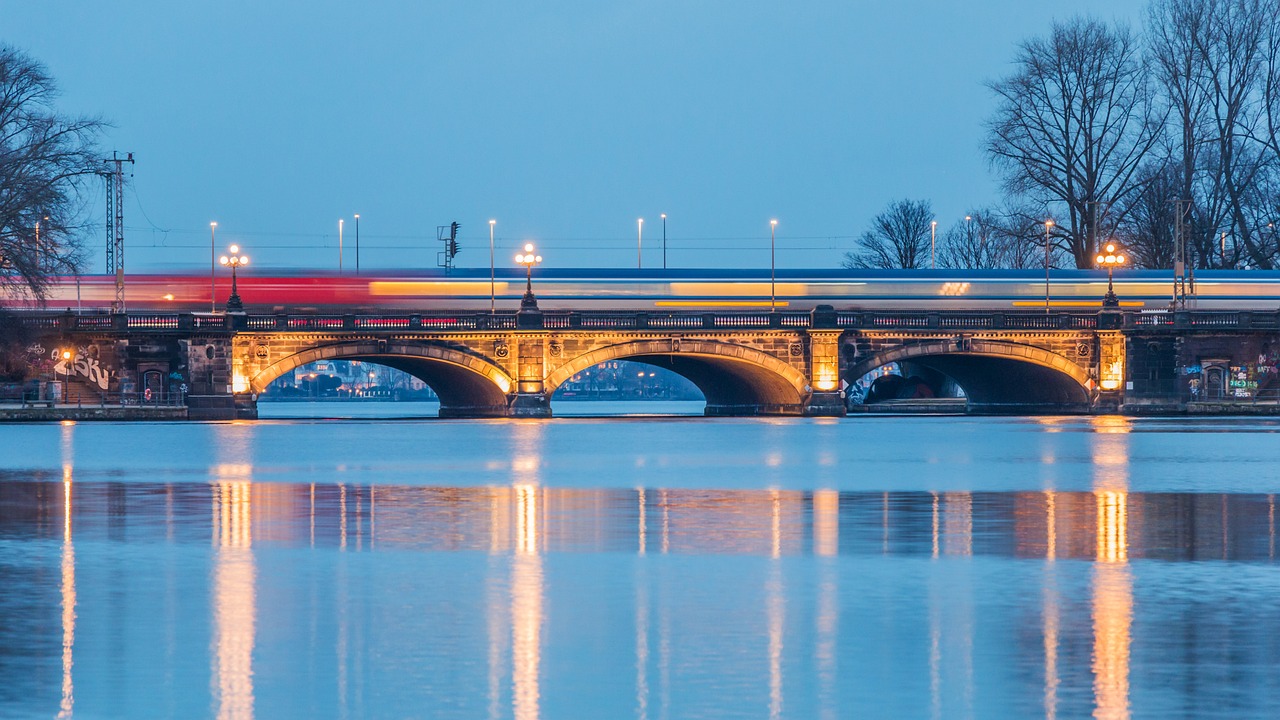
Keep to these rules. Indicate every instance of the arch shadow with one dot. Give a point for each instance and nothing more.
(997, 377)
(734, 379)
(467, 385)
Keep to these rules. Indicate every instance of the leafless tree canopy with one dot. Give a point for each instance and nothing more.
(993, 239)
(899, 238)
(46, 161)
(1074, 125)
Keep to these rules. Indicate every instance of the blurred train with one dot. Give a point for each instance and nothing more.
(662, 290)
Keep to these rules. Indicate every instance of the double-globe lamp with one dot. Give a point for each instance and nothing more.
(1110, 260)
(233, 261)
(528, 259)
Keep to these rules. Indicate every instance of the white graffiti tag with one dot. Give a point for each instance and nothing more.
(84, 366)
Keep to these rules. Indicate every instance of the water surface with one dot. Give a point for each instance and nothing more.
(640, 567)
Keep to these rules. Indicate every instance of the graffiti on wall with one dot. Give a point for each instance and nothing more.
(84, 363)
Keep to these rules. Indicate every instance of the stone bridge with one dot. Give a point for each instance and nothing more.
(752, 363)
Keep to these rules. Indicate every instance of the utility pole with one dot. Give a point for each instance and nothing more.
(1183, 266)
(115, 224)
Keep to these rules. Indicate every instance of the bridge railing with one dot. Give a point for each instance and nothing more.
(887, 320)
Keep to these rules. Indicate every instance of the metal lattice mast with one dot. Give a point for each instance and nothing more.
(111, 221)
(115, 225)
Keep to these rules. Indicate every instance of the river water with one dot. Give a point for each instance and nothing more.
(640, 568)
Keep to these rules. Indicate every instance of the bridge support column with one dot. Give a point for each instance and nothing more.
(530, 400)
(536, 405)
(825, 404)
(824, 374)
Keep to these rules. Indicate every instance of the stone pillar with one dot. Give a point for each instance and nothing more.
(531, 361)
(209, 369)
(824, 374)
(1112, 372)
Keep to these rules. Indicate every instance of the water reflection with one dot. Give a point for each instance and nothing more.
(526, 576)
(1080, 634)
(525, 519)
(68, 567)
(234, 589)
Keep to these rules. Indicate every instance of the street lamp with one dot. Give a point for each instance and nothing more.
(46, 217)
(639, 242)
(1111, 261)
(339, 245)
(664, 241)
(528, 259)
(233, 261)
(492, 283)
(773, 294)
(66, 375)
(357, 243)
(213, 264)
(933, 244)
(1048, 228)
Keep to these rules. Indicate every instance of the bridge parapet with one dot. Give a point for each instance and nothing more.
(155, 321)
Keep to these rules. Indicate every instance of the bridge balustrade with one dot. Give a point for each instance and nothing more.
(623, 320)
(153, 322)
(794, 320)
(677, 322)
(210, 322)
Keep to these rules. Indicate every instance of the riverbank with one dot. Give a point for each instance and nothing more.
(57, 413)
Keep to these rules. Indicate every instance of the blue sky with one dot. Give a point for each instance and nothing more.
(564, 121)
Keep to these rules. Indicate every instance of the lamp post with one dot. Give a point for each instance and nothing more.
(213, 264)
(1048, 228)
(664, 241)
(773, 293)
(639, 242)
(66, 375)
(339, 245)
(1111, 260)
(492, 282)
(528, 259)
(933, 244)
(233, 261)
(357, 243)
(37, 248)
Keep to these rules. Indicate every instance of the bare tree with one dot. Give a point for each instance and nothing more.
(1074, 124)
(976, 242)
(1148, 230)
(46, 161)
(899, 238)
(1232, 51)
(1178, 66)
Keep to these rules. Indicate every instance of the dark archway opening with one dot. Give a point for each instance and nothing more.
(978, 383)
(386, 386)
(628, 387)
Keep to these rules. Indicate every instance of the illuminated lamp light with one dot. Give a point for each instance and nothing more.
(1110, 384)
(168, 296)
(239, 383)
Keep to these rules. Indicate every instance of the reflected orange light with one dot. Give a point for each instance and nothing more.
(67, 703)
(1112, 620)
(234, 603)
(526, 608)
(826, 522)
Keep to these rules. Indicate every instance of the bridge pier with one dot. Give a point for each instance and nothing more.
(530, 405)
(825, 404)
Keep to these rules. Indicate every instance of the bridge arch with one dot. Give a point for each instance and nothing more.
(466, 384)
(996, 376)
(734, 379)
